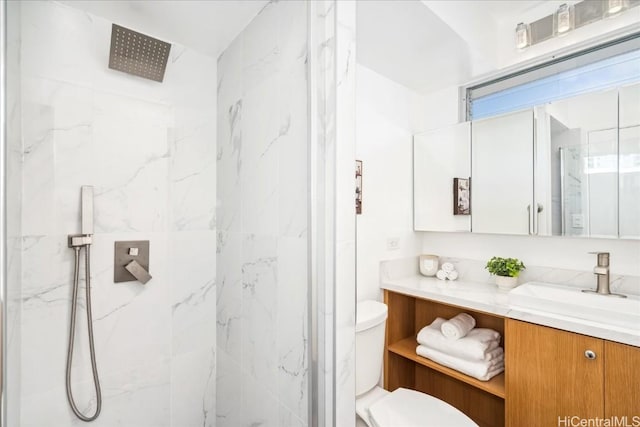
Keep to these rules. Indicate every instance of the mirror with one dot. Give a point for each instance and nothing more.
(629, 162)
(577, 166)
(502, 174)
(567, 168)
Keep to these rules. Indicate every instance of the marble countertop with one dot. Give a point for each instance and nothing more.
(489, 299)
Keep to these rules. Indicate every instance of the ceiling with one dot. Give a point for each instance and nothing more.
(421, 44)
(432, 44)
(426, 44)
(408, 43)
(208, 26)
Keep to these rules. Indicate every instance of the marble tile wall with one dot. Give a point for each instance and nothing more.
(13, 164)
(148, 149)
(262, 237)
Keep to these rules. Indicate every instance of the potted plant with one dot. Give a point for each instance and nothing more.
(506, 271)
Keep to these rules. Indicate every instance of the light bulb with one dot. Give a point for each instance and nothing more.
(563, 19)
(522, 36)
(615, 6)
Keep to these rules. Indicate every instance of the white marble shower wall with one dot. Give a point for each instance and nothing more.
(13, 164)
(262, 349)
(148, 148)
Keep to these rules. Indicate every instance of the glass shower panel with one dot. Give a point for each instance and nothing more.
(574, 191)
(148, 149)
(12, 209)
(601, 172)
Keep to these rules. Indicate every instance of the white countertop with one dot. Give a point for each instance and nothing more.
(488, 298)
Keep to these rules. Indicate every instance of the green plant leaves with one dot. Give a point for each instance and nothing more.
(509, 267)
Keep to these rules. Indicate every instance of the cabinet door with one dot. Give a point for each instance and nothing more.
(622, 381)
(502, 174)
(548, 376)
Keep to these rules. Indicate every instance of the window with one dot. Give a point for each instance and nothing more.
(612, 65)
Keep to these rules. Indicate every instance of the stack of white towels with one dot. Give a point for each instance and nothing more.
(447, 272)
(458, 344)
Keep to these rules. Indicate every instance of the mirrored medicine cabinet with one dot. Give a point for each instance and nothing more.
(567, 168)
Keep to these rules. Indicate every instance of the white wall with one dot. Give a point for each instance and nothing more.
(262, 362)
(558, 252)
(148, 149)
(440, 156)
(387, 116)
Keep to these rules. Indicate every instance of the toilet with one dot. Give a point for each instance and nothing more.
(376, 407)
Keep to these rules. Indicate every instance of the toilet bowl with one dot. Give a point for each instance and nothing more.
(377, 407)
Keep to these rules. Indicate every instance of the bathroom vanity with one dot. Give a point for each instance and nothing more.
(553, 373)
(550, 369)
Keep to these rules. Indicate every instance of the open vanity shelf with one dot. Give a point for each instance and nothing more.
(407, 349)
(483, 401)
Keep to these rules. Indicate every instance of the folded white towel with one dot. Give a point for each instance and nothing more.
(478, 343)
(453, 275)
(441, 275)
(458, 326)
(447, 267)
(483, 371)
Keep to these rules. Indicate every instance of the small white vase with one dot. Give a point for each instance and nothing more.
(429, 265)
(506, 283)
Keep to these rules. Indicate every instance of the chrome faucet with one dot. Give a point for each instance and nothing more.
(602, 272)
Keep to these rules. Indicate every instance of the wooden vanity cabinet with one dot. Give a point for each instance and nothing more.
(622, 381)
(553, 374)
(482, 401)
(548, 375)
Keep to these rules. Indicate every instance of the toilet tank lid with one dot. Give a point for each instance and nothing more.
(369, 314)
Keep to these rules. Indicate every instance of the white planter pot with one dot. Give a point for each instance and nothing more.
(506, 283)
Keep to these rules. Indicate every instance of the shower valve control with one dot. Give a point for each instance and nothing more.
(131, 261)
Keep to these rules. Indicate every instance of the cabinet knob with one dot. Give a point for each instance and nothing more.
(590, 354)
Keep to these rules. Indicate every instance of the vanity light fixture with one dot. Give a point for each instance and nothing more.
(563, 19)
(614, 6)
(522, 35)
(569, 17)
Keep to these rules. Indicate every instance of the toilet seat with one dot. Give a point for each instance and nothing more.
(410, 408)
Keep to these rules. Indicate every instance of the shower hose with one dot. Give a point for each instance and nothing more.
(74, 306)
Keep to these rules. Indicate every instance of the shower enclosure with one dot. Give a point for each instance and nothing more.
(236, 167)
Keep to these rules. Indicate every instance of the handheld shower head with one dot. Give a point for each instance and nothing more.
(87, 209)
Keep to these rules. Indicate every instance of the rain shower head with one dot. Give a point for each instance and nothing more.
(138, 54)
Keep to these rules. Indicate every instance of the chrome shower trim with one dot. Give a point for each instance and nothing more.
(3, 207)
(79, 240)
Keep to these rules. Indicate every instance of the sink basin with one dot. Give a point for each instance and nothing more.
(571, 301)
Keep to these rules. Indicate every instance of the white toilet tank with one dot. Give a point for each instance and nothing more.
(370, 326)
